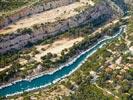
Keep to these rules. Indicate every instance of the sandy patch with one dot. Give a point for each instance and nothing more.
(56, 47)
(5, 68)
(22, 61)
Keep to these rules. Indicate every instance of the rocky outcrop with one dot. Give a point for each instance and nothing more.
(34, 9)
(100, 13)
(115, 7)
(122, 4)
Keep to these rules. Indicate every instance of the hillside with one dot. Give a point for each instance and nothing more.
(66, 50)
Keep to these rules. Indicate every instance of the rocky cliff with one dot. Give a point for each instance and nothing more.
(122, 4)
(100, 13)
(33, 9)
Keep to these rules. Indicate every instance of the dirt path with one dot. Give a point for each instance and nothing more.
(107, 91)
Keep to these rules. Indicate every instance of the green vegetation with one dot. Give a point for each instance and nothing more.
(130, 29)
(6, 5)
(5, 75)
(25, 31)
(50, 60)
(10, 5)
(75, 50)
(117, 81)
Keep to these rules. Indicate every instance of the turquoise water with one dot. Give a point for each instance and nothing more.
(52, 78)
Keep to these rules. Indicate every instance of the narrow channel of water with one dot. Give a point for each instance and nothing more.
(48, 79)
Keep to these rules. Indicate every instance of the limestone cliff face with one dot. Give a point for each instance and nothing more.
(100, 13)
(33, 10)
(122, 4)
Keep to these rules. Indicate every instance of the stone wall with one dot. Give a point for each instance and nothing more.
(33, 10)
(18, 41)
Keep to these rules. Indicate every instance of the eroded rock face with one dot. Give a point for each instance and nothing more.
(122, 4)
(18, 41)
(33, 10)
